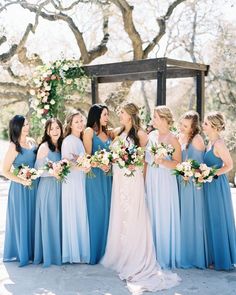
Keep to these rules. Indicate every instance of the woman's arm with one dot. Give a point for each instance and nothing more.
(221, 151)
(88, 140)
(176, 158)
(9, 158)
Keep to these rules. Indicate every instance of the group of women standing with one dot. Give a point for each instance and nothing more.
(137, 225)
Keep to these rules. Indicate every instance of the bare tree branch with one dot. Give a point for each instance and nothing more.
(127, 15)
(86, 56)
(3, 39)
(162, 27)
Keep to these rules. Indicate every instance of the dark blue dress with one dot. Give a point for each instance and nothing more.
(98, 194)
(20, 223)
(221, 236)
(48, 216)
(192, 219)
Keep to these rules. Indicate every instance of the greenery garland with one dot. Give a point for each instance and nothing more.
(51, 85)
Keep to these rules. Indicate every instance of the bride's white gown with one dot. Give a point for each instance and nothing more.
(130, 249)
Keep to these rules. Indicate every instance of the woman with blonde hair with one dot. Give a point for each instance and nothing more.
(130, 250)
(192, 220)
(75, 231)
(221, 236)
(162, 190)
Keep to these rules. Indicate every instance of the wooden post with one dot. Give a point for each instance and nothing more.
(94, 87)
(161, 82)
(200, 92)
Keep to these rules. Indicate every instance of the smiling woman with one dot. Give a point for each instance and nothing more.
(48, 207)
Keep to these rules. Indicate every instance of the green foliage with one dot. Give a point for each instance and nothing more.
(51, 86)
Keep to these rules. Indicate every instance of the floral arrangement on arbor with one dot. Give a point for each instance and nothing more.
(51, 84)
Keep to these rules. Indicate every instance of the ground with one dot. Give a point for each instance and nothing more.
(94, 280)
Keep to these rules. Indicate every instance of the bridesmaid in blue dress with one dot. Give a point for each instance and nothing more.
(19, 235)
(221, 236)
(162, 191)
(48, 205)
(75, 230)
(98, 189)
(192, 220)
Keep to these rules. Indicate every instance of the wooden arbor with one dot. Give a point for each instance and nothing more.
(150, 69)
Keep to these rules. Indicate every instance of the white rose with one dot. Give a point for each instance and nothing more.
(52, 101)
(32, 92)
(47, 107)
(197, 174)
(49, 72)
(68, 81)
(43, 121)
(65, 68)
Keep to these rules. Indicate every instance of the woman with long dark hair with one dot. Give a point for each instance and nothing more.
(48, 206)
(20, 223)
(98, 189)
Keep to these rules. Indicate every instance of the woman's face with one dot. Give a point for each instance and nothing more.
(77, 124)
(206, 126)
(125, 118)
(54, 131)
(185, 126)
(157, 121)
(25, 128)
(104, 117)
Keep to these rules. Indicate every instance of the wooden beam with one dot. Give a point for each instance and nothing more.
(186, 64)
(171, 73)
(161, 83)
(94, 88)
(200, 92)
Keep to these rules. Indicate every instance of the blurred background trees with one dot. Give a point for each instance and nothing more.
(100, 31)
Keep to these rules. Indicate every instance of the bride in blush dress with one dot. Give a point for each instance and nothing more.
(130, 249)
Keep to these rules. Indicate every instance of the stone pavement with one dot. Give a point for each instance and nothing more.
(84, 279)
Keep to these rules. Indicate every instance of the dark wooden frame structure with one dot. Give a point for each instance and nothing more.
(158, 69)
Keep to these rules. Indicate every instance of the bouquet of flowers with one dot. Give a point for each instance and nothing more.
(85, 161)
(102, 159)
(128, 156)
(58, 169)
(204, 174)
(186, 169)
(27, 173)
(162, 150)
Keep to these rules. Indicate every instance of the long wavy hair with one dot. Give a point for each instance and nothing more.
(47, 138)
(94, 117)
(133, 111)
(195, 124)
(15, 127)
(68, 123)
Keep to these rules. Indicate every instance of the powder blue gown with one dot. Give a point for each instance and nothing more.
(192, 218)
(48, 216)
(163, 205)
(98, 194)
(221, 236)
(20, 222)
(75, 229)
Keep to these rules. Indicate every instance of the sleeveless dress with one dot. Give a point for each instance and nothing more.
(163, 204)
(48, 216)
(220, 222)
(192, 218)
(98, 195)
(75, 230)
(130, 250)
(20, 222)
